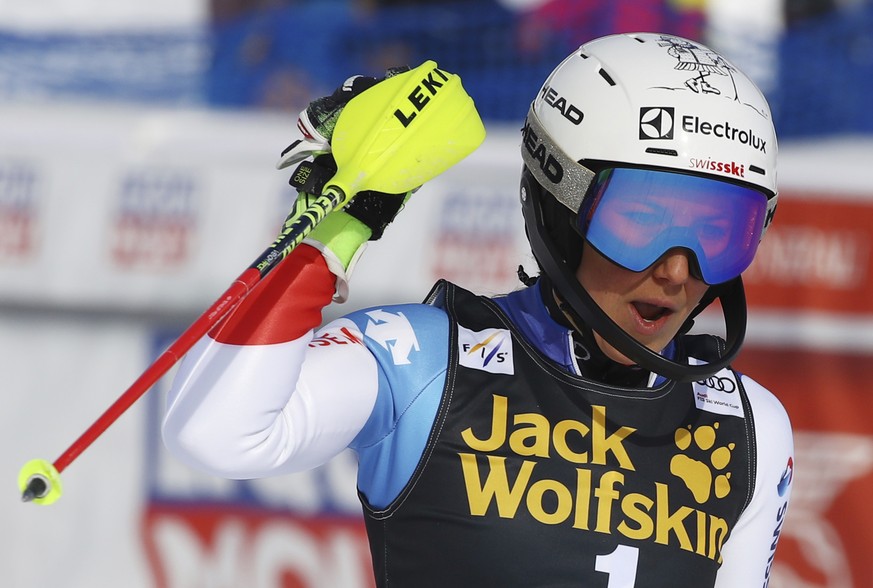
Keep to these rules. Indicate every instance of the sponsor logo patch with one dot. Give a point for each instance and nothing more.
(656, 122)
(489, 350)
(696, 125)
(567, 109)
(718, 394)
(726, 167)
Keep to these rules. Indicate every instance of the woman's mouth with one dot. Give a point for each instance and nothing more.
(651, 312)
(649, 319)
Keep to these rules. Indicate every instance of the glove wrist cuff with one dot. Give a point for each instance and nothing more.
(341, 238)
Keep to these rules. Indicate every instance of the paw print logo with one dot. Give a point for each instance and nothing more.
(705, 476)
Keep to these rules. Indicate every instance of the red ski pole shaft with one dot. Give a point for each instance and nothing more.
(161, 366)
(292, 235)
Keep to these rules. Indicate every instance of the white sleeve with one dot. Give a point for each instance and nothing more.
(748, 553)
(246, 411)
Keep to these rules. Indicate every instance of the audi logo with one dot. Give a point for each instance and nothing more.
(725, 385)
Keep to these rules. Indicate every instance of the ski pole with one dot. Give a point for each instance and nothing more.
(391, 138)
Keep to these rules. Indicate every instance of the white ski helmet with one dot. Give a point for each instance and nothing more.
(653, 102)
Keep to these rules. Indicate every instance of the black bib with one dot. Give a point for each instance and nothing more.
(536, 477)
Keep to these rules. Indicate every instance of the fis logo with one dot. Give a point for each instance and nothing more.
(489, 350)
(656, 122)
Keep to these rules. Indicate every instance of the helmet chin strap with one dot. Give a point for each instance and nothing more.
(731, 295)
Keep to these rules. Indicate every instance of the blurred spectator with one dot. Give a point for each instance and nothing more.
(273, 53)
(569, 23)
(285, 88)
(222, 11)
(796, 11)
(827, 59)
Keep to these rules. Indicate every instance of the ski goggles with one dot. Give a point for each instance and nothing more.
(637, 215)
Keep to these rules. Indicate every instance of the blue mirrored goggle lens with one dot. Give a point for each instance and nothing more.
(638, 215)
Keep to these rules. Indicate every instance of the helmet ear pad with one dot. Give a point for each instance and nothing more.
(559, 222)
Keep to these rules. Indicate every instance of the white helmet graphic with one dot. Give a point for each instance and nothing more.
(634, 111)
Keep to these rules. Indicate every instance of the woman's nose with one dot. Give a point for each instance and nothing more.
(674, 266)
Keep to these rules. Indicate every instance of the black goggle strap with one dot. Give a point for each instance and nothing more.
(732, 298)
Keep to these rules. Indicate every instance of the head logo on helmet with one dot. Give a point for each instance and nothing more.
(551, 97)
(539, 154)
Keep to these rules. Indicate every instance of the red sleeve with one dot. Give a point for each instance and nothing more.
(283, 306)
